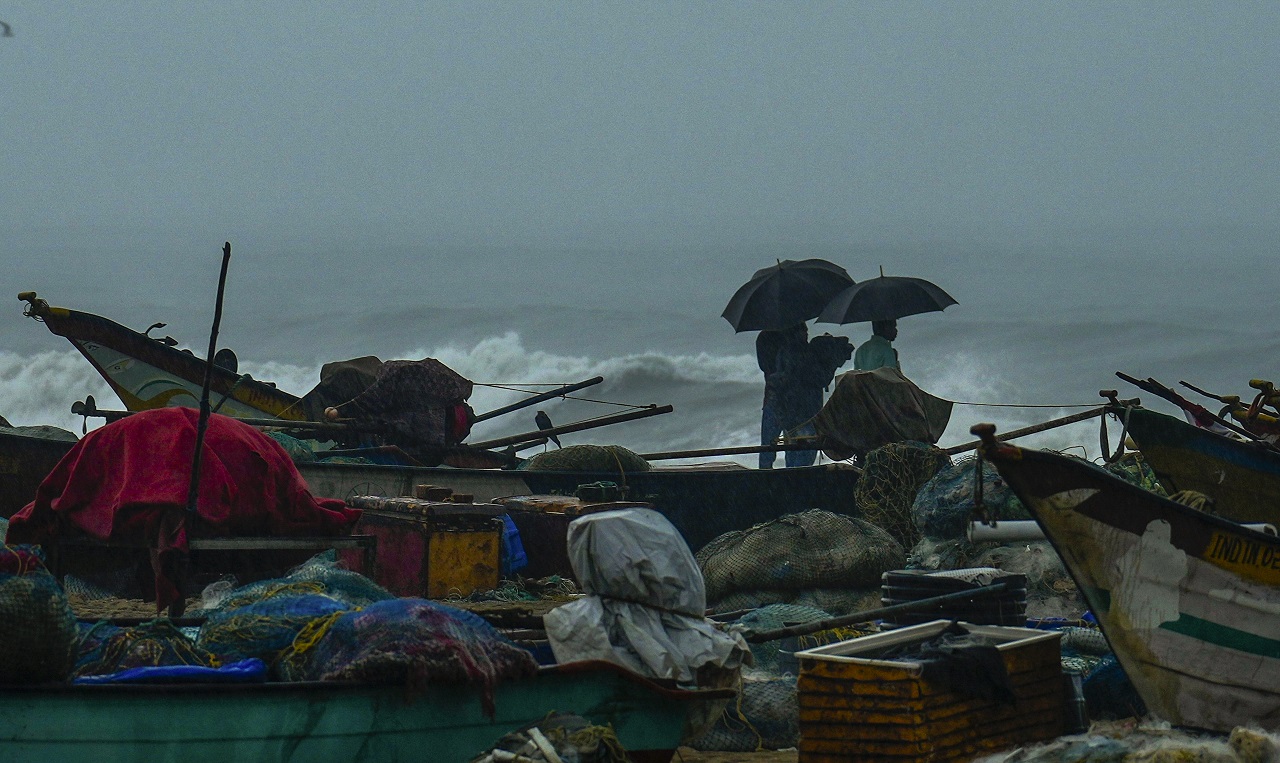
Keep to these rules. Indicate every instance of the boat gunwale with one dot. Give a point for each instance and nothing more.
(584, 667)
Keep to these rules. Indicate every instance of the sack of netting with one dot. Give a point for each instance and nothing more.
(263, 629)
(38, 635)
(796, 552)
(410, 642)
(944, 506)
(613, 459)
(891, 477)
(766, 716)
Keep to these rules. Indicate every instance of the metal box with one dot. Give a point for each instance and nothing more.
(433, 549)
(855, 706)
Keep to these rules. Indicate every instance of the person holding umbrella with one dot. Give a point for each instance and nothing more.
(878, 351)
(776, 302)
(882, 301)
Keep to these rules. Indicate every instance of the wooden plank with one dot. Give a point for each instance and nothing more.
(872, 725)
(281, 544)
(884, 714)
(980, 735)
(913, 689)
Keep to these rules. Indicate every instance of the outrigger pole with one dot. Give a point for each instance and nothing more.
(194, 490)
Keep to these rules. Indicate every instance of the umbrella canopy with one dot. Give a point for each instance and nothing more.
(785, 294)
(885, 298)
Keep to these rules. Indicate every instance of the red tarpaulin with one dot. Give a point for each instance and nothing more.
(127, 483)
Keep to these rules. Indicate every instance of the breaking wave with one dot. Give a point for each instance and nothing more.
(716, 397)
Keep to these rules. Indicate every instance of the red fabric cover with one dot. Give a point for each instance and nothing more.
(127, 483)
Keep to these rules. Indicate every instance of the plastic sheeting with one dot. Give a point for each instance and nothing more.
(646, 602)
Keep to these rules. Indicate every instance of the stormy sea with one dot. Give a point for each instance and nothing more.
(1038, 331)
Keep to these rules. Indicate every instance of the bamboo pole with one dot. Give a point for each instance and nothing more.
(1074, 418)
(575, 427)
(867, 616)
(193, 488)
(538, 398)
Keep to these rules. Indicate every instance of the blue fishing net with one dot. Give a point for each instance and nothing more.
(413, 642)
(150, 644)
(37, 627)
(1109, 694)
(263, 629)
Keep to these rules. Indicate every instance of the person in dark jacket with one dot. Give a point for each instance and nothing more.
(769, 344)
(805, 370)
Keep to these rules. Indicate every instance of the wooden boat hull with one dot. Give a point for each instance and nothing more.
(24, 463)
(147, 373)
(701, 503)
(1189, 602)
(1242, 479)
(327, 721)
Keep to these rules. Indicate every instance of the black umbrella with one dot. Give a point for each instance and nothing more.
(785, 294)
(885, 298)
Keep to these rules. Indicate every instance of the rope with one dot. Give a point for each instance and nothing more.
(565, 397)
(1107, 456)
(1022, 405)
(310, 635)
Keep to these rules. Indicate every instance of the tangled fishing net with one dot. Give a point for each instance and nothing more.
(587, 458)
(892, 476)
(765, 716)
(573, 738)
(550, 588)
(1134, 468)
(1147, 742)
(152, 644)
(413, 642)
(812, 549)
(1050, 590)
(945, 505)
(38, 635)
(263, 629)
(320, 575)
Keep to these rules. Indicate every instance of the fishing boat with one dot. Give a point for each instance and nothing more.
(1242, 478)
(1190, 602)
(25, 460)
(701, 501)
(333, 721)
(148, 372)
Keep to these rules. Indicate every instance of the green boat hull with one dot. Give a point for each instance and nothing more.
(331, 722)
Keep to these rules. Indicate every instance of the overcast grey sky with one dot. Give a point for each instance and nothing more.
(356, 139)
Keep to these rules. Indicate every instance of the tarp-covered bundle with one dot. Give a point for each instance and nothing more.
(868, 409)
(646, 602)
(421, 403)
(127, 483)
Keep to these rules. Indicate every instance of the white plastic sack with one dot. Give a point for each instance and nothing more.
(646, 602)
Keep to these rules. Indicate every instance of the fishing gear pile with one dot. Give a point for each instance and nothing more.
(412, 642)
(38, 635)
(890, 481)
(780, 560)
(588, 458)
